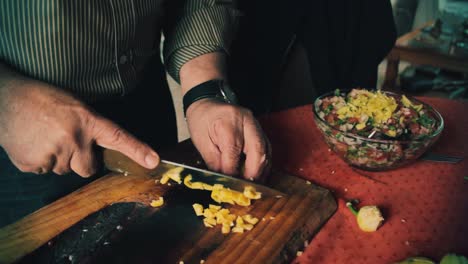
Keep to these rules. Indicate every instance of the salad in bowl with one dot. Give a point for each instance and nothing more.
(376, 130)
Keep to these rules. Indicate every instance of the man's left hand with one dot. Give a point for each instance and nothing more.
(224, 133)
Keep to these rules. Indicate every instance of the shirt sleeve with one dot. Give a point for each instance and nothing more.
(196, 27)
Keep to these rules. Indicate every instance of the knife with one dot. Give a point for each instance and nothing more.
(441, 158)
(118, 162)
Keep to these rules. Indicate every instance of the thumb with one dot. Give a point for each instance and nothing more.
(108, 135)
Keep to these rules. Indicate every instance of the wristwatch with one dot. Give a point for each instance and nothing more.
(216, 89)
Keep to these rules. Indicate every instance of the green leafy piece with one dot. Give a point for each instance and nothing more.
(426, 121)
(329, 108)
(352, 151)
(341, 122)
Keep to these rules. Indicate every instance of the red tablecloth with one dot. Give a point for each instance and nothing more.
(425, 204)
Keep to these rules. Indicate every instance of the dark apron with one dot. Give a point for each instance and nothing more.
(147, 112)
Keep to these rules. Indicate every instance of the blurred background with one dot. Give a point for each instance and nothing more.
(437, 31)
(287, 55)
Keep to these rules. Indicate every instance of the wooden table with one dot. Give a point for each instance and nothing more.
(440, 56)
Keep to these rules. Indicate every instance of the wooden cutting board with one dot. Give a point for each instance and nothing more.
(169, 234)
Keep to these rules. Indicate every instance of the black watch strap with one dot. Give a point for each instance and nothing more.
(209, 89)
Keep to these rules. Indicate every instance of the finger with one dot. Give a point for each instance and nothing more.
(211, 155)
(21, 165)
(254, 149)
(25, 168)
(108, 135)
(41, 168)
(47, 165)
(230, 139)
(84, 162)
(62, 164)
(268, 163)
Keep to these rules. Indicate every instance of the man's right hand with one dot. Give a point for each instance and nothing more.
(45, 129)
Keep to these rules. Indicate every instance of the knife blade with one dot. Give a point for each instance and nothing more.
(430, 156)
(118, 162)
(211, 178)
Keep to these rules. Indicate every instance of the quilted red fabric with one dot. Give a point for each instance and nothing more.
(425, 204)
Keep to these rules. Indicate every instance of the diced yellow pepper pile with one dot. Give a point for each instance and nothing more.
(372, 104)
(216, 215)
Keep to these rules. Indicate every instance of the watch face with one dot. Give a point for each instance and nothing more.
(228, 94)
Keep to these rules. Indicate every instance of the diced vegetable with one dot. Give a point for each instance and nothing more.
(198, 208)
(348, 121)
(366, 112)
(157, 203)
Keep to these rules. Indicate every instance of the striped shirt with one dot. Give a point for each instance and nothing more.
(99, 48)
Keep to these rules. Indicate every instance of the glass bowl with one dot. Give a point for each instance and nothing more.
(376, 154)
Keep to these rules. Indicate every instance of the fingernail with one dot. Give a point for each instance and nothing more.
(152, 160)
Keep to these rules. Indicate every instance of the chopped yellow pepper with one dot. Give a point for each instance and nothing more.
(250, 193)
(173, 174)
(157, 203)
(198, 208)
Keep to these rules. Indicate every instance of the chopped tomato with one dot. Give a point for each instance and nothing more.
(325, 104)
(353, 120)
(391, 121)
(331, 118)
(341, 148)
(414, 127)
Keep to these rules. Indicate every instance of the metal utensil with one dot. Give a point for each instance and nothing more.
(441, 158)
(117, 162)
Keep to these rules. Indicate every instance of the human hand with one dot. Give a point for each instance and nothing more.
(223, 133)
(45, 129)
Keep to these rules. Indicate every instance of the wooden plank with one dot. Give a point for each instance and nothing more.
(404, 40)
(427, 57)
(295, 218)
